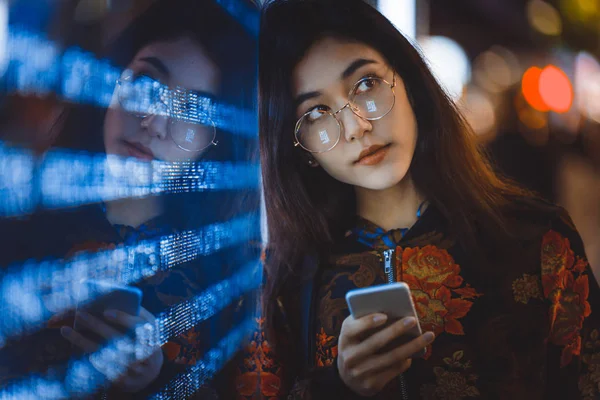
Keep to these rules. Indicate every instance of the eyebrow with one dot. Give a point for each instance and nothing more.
(351, 69)
(156, 63)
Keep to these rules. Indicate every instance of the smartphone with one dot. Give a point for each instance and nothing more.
(393, 300)
(106, 295)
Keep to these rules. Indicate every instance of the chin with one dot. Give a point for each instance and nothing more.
(382, 179)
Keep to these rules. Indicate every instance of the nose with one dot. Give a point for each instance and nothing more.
(156, 126)
(353, 125)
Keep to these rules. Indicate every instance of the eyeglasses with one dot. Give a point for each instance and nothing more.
(188, 125)
(319, 130)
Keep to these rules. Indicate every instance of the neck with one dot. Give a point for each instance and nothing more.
(391, 208)
(133, 212)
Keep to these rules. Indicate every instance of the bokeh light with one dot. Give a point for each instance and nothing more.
(479, 111)
(544, 18)
(440, 52)
(496, 69)
(587, 86)
(530, 85)
(555, 89)
(581, 11)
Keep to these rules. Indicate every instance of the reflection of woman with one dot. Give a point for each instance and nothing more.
(371, 177)
(186, 50)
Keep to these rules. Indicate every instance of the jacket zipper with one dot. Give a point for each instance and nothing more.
(388, 268)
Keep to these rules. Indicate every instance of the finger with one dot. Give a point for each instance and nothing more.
(379, 339)
(353, 328)
(395, 357)
(122, 318)
(79, 340)
(96, 325)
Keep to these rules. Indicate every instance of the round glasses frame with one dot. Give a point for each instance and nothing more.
(349, 105)
(164, 94)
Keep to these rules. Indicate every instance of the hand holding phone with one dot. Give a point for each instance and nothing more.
(115, 310)
(381, 320)
(395, 301)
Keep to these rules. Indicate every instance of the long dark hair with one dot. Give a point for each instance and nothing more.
(307, 209)
(232, 49)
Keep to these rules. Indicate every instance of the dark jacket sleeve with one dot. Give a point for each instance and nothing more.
(573, 299)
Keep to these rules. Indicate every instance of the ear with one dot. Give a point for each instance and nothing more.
(313, 163)
(309, 159)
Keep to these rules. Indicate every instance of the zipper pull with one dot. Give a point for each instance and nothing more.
(388, 256)
(387, 259)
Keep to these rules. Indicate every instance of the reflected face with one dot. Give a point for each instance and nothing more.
(373, 154)
(179, 62)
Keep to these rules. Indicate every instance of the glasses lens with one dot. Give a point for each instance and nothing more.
(140, 95)
(373, 97)
(192, 136)
(318, 131)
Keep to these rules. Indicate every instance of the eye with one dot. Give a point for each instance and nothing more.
(367, 84)
(316, 113)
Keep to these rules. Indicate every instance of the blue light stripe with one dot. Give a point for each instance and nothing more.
(68, 179)
(17, 168)
(82, 375)
(39, 67)
(186, 384)
(33, 292)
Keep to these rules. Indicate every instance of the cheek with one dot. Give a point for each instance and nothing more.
(335, 165)
(112, 127)
(115, 124)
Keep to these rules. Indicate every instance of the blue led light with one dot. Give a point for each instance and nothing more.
(188, 383)
(35, 291)
(66, 179)
(89, 374)
(69, 179)
(38, 67)
(185, 315)
(16, 181)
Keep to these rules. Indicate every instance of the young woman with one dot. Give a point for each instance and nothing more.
(371, 176)
(188, 48)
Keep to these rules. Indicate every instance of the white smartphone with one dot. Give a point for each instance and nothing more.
(393, 300)
(108, 295)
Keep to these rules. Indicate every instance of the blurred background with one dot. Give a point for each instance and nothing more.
(526, 75)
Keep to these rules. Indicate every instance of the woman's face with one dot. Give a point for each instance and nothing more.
(178, 62)
(323, 78)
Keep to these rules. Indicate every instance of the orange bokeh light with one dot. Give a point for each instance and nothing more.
(555, 89)
(530, 85)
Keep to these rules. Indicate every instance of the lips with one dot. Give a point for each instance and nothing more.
(140, 151)
(373, 155)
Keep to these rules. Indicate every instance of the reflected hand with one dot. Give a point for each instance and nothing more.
(139, 374)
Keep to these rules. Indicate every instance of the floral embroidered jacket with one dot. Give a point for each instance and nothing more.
(524, 326)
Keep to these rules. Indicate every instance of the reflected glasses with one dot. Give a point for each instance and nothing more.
(319, 130)
(188, 125)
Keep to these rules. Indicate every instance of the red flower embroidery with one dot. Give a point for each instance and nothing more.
(439, 312)
(433, 277)
(261, 374)
(567, 288)
(326, 353)
(429, 268)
